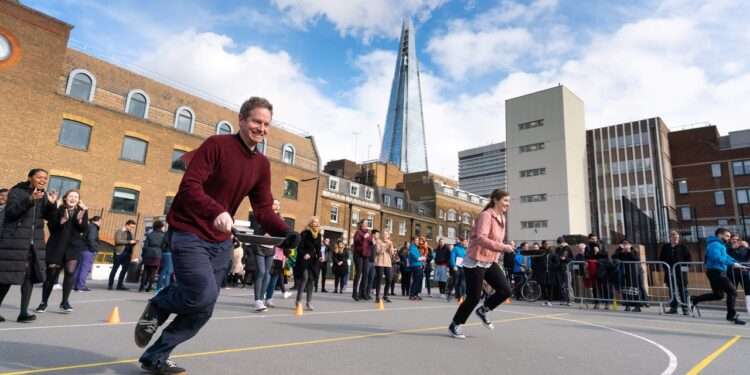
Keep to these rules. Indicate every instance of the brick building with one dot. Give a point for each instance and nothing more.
(115, 134)
(712, 180)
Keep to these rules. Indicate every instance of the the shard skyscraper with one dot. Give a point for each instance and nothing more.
(404, 138)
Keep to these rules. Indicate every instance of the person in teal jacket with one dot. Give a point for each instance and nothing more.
(717, 261)
(457, 284)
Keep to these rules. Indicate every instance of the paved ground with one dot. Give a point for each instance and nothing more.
(343, 335)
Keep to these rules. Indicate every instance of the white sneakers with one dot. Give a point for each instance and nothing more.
(287, 295)
(269, 303)
(260, 306)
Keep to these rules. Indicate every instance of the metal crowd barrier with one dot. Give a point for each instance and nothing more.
(689, 279)
(632, 284)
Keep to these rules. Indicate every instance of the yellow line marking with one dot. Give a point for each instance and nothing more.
(266, 347)
(711, 357)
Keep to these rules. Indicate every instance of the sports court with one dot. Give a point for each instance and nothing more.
(407, 337)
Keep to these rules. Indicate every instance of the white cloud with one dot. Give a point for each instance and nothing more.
(360, 18)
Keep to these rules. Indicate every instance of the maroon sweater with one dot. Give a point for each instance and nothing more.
(220, 174)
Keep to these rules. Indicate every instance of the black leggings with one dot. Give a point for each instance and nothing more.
(405, 282)
(26, 288)
(379, 271)
(53, 274)
(474, 277)
(338, 281)
(428, 280)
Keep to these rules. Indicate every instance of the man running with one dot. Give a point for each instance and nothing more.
(221, 173)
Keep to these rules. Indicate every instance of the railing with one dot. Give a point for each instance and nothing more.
(689, 279)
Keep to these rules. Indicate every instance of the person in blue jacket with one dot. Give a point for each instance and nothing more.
(519, 267)
(717, 261)
(456, 264)
(417, 257)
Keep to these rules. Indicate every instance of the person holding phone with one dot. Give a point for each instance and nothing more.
(68, 225)
(480, 264)
(22, 246)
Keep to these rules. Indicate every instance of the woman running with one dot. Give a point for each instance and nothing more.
(383, 263)
(339, 266)
(481, 265)
(68, 224)
(305, 268)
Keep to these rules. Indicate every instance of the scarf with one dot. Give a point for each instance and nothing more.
(314, 233)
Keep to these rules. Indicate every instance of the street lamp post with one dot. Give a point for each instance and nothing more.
(317, 192)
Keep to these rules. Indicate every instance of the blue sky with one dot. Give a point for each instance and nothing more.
(327, 64)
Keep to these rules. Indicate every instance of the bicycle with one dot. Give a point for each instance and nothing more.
(530, 289)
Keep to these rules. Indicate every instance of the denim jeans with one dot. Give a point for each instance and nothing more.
(262, 275)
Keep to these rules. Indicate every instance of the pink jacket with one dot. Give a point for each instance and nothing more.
(279, 255)
(487, 237)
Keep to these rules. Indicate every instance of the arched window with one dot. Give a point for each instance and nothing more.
(224, 127)
(81, 85)
(137, 104)
(184, 119)
(288, 154)
(466, 218)
(451, 215)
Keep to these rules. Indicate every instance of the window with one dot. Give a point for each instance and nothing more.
(466, 219)
(474, 199)
(420, 211)
(441, 214)
(74, 134)
(290, 189)
(134, 149)
(184, 119)
(369, 194)
(534, 224)
(463, 195)
(125, 200)
(370, 221)
(685, 213)
(333, 184)
(682, 186)
(429, 232)
(742, 196)
(399, 203)
(62, 184)
(136, 104)
(354, 190)
(81, 85)
(417, 229)
(402, 228)
(355, 218)
(334, 214)
(719, 198)
(389, 225)
(533, 198)
(287, 155)
(530, 124)
(224, 127)
(451, 215)
(448, 190)
(168, 204)
(532, 147)
(740, 168)
(289, 222)
(534, 172)
(723, 222)
(440, 231)
(715, 170)
(451, 233)
(177, 163)
(387, 200)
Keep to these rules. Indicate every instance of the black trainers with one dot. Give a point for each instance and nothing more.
(26, 318)
(66, 308)
(482, 314)
(147, 325)
(2, 319)
(167, 367)
(41, 308)
(738, 321)
(456, 331)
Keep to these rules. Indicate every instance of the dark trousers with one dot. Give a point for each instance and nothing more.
(379, 273)
(26, 288)
(720, 285)
(147, 277)
(428, 280)
(474, 277)
(458, 282)
(362, 269)
(323, 266)
(305, 283)
(405, 282)
(199, 267)
(394, 275)
(679, 289)
(417, 275)
(122, 260)
(85, 263)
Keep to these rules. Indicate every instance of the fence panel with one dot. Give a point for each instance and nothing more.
(689, 279)
(633, 284)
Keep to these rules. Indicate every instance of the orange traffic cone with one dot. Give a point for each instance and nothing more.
(298, 311)
(114, 316)
(381, 306)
